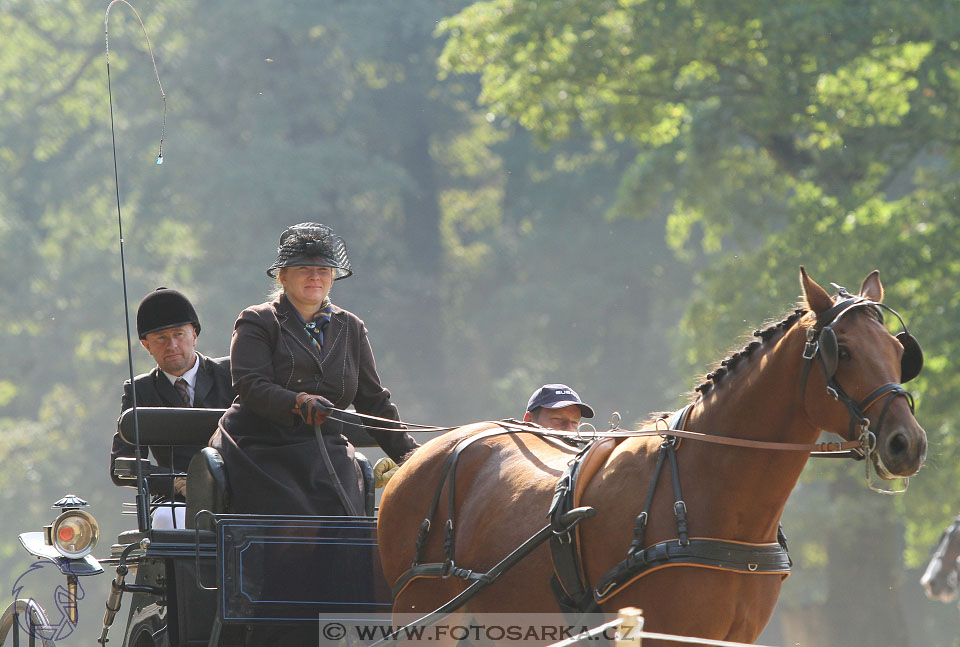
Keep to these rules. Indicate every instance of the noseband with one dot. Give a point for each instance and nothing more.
(822, 346)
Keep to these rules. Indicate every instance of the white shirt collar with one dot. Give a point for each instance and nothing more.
(190, 376)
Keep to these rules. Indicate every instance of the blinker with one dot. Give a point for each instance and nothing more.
(826, 345)
(828, 351)
(912, 361)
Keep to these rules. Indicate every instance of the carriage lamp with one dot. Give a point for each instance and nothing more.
(74, 533)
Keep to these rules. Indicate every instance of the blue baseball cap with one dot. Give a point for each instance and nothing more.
(557, 396)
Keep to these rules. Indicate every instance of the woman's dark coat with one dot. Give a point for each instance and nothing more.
(273, 460)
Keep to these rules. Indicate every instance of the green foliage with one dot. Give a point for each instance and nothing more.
(816, 133)
(801, 132)
(483, 264)
(497, 246)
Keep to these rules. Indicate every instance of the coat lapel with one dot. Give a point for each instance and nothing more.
(290, 324)
(332, 335)
(204, 382)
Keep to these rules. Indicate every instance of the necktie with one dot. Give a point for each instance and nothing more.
(181, 386)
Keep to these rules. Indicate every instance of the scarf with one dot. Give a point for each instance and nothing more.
(319, 324)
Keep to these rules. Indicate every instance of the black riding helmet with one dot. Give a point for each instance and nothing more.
(165, 308)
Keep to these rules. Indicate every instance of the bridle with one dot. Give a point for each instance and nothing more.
(821, 346)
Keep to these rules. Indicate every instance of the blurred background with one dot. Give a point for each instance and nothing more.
(606, 193)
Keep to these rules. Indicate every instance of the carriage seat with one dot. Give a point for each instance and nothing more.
(207, 487)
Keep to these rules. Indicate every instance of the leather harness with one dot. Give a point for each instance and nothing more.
(569, 584)
(448, 568)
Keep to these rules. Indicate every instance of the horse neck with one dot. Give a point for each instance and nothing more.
(760, 400)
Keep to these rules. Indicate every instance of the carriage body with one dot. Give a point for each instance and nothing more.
(226, 577)
(260, 572)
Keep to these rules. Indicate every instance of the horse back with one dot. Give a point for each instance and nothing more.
(503, 486)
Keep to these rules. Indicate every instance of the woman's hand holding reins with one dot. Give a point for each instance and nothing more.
(314, 409)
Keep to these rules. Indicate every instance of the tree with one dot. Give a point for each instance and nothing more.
(474, 270)
(816, 133)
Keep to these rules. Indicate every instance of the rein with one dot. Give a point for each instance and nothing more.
(821, 346)
(842, 448)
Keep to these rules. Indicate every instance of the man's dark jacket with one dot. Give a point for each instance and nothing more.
(213, 390)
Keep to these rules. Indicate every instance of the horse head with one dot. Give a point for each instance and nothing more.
(940, 579)
(857, 391)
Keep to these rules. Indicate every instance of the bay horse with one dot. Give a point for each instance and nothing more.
(940, 579)
(760, 402)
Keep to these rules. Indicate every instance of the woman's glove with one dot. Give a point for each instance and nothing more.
(314, 409)
(383, 471)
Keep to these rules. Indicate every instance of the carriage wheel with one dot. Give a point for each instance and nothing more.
(25, 613)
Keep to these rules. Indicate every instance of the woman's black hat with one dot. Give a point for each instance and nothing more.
(165, 308)
(310, 243)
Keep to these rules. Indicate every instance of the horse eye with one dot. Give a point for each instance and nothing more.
(843, 353)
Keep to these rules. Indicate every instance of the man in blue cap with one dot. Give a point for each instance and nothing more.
(557, 406)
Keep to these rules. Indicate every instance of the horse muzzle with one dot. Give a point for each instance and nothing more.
(901, 451)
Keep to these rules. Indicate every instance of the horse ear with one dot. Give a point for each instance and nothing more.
(872, 288)
(817, 298)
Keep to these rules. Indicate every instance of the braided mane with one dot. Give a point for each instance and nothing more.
(731, 361)
(727, 364)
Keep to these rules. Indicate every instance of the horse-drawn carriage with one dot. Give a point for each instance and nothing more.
(224, 577)
(702, 558)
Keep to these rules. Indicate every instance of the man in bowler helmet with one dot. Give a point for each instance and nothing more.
(168, 326)
(556, 406)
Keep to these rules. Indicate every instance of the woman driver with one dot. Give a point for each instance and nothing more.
(292, 360)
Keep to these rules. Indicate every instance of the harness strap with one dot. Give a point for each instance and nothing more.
(573, 594)
(563, 490)
(640, 525)
(679, 418)
(706, 553)
(700, 552)
(674, 423)
(481, 580)
(679, 507)
(566, 582)
(449, 468)
(436, 569)
(858, 409)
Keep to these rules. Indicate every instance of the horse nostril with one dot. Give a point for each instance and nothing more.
(898, 444)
